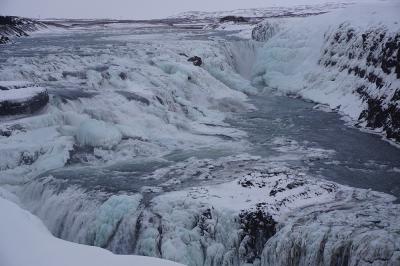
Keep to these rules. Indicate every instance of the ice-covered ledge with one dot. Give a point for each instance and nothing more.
(21, 97)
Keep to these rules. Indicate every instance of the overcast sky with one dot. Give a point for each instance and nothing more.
(133, 9)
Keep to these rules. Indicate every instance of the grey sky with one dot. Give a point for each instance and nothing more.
(134, 9)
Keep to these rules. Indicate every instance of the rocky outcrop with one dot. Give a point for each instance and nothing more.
(257, 227)
(4, 39)
(11, 26)
(373, 57)
(197, 61)
(266, 30)
(235, 19)
(15, 100)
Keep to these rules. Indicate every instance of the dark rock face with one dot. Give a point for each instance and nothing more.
(265, 30)
(257, 227)
(27, 106)
(4, 39)
(236, 19)
(372, 56)
(197, 61)
(11, 26)
(123, 76)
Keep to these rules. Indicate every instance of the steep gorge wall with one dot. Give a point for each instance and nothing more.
(352, 66)
(373, 57)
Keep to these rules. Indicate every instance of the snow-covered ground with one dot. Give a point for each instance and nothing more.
(136, 152)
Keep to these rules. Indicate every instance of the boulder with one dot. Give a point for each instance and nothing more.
(22, 100)
(197, 61)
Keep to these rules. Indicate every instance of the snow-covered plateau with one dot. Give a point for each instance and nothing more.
(204, 141)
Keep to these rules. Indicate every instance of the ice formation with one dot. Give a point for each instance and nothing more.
(244, 204)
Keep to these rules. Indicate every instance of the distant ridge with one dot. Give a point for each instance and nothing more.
(299, 10)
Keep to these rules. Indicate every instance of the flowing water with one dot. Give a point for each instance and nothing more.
(359, 159)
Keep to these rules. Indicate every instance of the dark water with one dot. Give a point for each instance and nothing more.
(360, 159)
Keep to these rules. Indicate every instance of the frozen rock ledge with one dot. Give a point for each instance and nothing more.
(21, 98)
